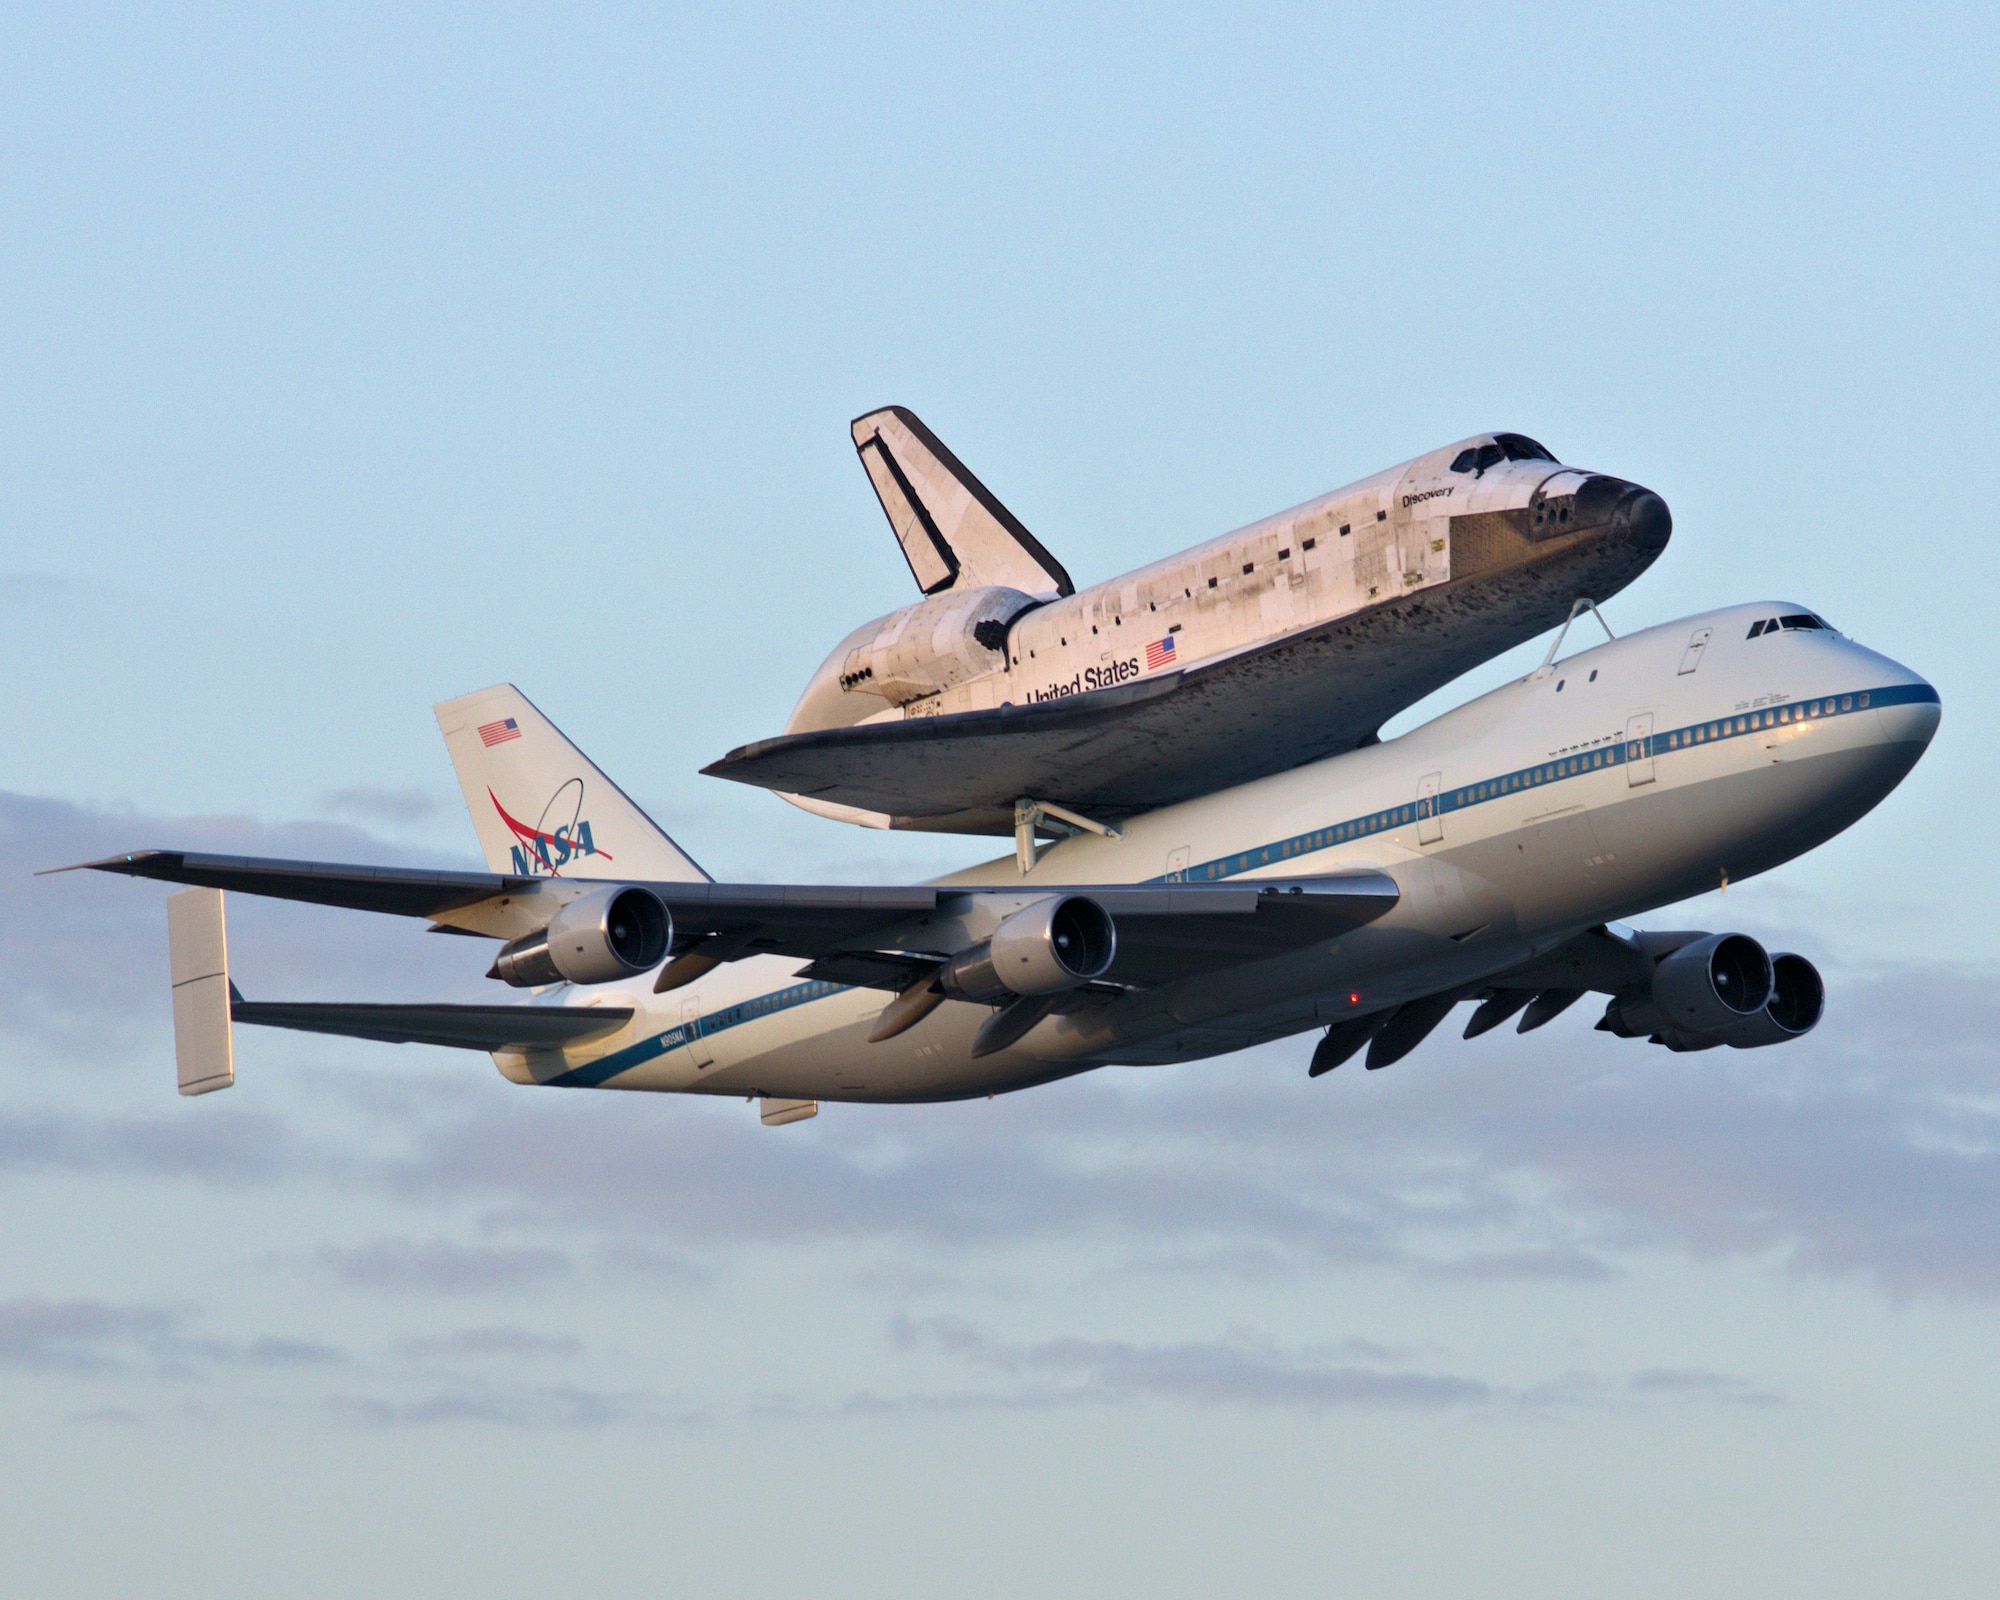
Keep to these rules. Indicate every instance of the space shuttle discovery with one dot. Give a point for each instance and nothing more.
(1007, 699)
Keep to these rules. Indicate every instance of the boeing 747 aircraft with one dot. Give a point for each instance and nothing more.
(1490, 856)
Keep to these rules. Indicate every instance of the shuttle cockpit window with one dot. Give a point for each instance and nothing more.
(1519, 447)
(1476, 460)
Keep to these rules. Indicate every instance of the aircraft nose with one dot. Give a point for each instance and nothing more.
(1914, 715)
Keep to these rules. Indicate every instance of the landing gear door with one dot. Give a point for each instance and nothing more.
(1430, 825)
(1639, 749)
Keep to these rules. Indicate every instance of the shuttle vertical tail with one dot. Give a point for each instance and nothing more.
(954, 534)
(540, 807)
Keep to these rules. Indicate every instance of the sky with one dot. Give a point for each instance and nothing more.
(354, 358)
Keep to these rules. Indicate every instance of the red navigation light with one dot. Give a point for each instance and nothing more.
(1354, 999)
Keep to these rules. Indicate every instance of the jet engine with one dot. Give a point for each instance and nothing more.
(1722, 989)
(610, 933)
(1055, 944)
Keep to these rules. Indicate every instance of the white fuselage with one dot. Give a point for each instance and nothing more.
(1624, 778)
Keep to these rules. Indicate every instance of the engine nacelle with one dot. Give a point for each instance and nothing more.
(930, 646)
(600, 937)
(1797, 999)
(1698, 992)
(1055, 944)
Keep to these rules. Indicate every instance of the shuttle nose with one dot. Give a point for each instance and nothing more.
(1626, 511)
(1642, 518)
(1633, 517)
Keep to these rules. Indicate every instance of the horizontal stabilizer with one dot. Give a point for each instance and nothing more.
(953, 533)
(517, 1027)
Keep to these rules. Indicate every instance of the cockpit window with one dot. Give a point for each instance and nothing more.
(1802, 622)
(1519, 447)
(1490, 455)
(1462, 462)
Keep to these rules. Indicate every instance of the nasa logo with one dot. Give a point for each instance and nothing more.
(560, 836)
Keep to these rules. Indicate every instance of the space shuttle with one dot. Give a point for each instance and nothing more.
(1006, 700)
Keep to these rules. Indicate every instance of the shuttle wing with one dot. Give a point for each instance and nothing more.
(1158, 740)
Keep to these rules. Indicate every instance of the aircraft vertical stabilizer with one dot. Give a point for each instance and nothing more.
(954, 534)
(540, 807)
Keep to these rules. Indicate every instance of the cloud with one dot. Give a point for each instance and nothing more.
(93, 1337)
(80, 1335)
(86, 952)
(1243, 1370)
(441, 1267)
(393, 807)
(476, 1343)
(524, 1407)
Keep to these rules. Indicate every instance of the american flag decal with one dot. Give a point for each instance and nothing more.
(1160, 653)
(492, 733)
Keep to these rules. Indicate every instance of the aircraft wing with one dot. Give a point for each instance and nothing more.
(1165, 930)
(515, 1027)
